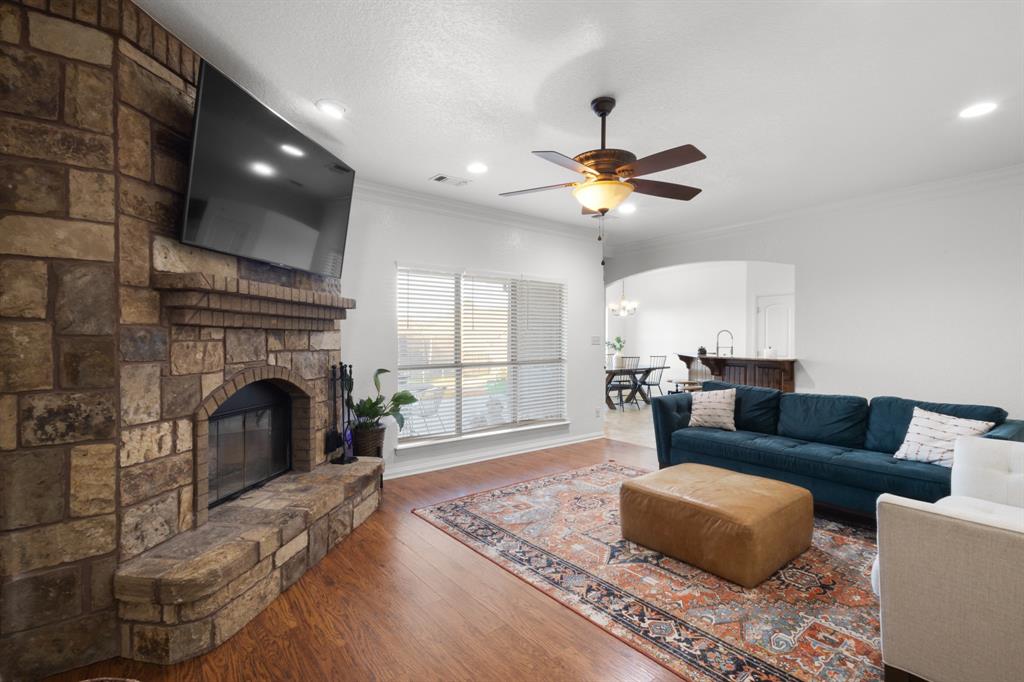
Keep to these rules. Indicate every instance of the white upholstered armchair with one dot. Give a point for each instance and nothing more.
(950, 575)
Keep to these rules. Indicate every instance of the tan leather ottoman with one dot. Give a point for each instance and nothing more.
(742, 528)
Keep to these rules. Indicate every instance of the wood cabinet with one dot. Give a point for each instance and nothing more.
(766, 372)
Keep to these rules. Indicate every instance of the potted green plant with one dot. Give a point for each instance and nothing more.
(368, 432)
(616, 345)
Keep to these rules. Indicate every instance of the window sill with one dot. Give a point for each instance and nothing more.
(427, 442)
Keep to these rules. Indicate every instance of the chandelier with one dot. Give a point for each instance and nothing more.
(623, 307)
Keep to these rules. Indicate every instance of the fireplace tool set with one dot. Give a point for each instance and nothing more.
(340, 439)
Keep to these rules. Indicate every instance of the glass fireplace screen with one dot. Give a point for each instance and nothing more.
(248, 446)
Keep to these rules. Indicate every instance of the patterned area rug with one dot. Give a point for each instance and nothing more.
(816, 619)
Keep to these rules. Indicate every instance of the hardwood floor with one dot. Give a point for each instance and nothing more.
(400, 600)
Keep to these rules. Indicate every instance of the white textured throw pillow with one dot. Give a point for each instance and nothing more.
(931, 436)
(714, 409)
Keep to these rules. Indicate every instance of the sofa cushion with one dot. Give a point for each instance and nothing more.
(874, 471)
(757, 409)
(881, 472)
(830, 419)
(759, 448)
(889, 418)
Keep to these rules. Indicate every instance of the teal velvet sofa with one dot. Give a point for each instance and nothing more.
(840, 447)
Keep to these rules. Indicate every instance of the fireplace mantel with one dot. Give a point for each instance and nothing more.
(204, 300)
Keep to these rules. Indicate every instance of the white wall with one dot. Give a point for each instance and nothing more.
(918, 293)
(390, 226)
(683, 307)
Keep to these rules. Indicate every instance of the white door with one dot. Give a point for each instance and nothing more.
(775, 324)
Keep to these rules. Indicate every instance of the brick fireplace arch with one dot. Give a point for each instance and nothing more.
(303, 431)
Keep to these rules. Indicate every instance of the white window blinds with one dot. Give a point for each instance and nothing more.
(480, 352)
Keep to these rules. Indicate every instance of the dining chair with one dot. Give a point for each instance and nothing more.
(654, 378)
(625, 382)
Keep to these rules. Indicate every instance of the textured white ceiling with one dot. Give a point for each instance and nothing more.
(795, 103)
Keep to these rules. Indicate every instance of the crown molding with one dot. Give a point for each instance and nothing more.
(379, 193)
(1007, 175)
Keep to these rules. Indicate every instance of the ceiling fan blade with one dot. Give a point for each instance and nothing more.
(564, 161)
(667, 190)
(670, 158)
(536, 189)
(587, 211)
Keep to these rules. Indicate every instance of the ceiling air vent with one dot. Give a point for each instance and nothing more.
(449, 180)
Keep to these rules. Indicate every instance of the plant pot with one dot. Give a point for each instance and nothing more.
(617, 361)
(368, 442)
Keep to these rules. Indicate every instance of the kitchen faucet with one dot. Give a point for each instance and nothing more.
(719, 346)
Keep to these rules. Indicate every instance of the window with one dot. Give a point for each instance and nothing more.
(479, 352)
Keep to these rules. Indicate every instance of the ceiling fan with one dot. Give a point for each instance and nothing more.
(611, 175)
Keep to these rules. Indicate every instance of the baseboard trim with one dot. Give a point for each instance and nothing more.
(401, 469)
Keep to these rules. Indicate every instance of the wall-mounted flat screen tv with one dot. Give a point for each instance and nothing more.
(259, 188)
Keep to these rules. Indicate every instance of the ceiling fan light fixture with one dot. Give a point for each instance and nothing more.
(602, 195)
(611, 175)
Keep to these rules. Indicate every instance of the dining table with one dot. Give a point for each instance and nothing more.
(637, 378)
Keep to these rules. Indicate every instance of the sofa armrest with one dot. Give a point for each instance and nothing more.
(950, 592)
(1011, 429)
(671, 413)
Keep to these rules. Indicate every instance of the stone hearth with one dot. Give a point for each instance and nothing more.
(192, 593)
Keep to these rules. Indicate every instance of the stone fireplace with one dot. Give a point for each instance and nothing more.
(135, 370)
(265, 505)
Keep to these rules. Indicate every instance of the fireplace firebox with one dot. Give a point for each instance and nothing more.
(249, 440)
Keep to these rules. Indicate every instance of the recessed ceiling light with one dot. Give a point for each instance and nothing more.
(264, 169)
(979, 109)
(477, 167)
(627, 209)
(292, 150)
(331, 109)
